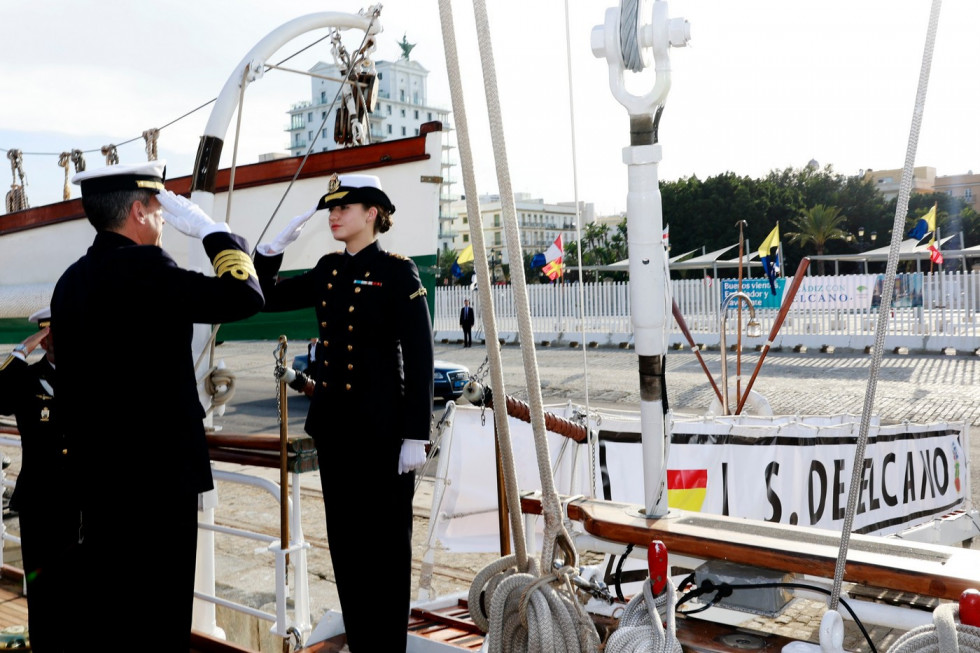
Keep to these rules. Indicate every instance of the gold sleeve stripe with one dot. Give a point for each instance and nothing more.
(234, 261)
(421, 292)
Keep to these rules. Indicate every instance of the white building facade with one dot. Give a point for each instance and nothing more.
(539, 223)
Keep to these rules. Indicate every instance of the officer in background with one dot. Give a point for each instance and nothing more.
(372, 404)
(43, 497)
(138, 439)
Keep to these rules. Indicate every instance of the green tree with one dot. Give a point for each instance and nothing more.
(817, 226)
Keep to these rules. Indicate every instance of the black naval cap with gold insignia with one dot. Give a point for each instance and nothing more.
(42, 317)
(134, 176)
(355, 189)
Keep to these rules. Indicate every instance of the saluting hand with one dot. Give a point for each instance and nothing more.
(287, 235)
(187, 217)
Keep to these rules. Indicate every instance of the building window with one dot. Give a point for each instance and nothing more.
(389, 129)
(416, 132)
(323, 97)
(309, 135)
(466, 238)
(389, 109)
(466, 220)
(496, 219)
(297, 121)
(968, 193)
(430, 115)
(309, 117)
(403, 113)
(416, 114)
(323, 134)
(401, 97)
(323, 115)
(403, 131)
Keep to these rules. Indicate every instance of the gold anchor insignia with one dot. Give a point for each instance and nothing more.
(333, 183)
(45, 414)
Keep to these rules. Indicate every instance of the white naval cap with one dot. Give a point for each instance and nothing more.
(355, 189)
(41, 318)
(132, 176)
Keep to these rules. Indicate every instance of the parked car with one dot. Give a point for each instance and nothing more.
(448, 378)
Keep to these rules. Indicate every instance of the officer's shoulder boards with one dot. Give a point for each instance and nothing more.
(421, 292)
(397, 256)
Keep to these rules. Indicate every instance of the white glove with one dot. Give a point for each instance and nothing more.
(286, 236)
(412, 456)
(187, 217)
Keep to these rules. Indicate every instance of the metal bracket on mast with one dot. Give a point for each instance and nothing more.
(625, 43)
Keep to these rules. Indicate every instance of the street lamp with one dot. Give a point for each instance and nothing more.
(861, 237)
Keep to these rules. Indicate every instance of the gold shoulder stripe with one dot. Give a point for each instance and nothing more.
(398, 256)
(155, 185)
(234, 261)
(421, 292)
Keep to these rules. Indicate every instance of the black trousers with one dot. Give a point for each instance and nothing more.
(141, 545)
(49, 542)
(370, 543)
(467, 336)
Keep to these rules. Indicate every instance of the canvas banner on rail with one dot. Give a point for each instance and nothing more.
(790, 470)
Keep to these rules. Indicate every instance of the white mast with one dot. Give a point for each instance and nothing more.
(626, 44)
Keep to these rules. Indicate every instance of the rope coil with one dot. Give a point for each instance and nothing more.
(944, 635)
(641, 626)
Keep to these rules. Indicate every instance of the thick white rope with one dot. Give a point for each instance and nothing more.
(898, 229)
(483, 284)
(944, 635)
(554, 528)
(537, 619)
(641, 628)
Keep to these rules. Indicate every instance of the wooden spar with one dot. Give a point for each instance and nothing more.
(697, 351)
(783, 310)
(520, 410)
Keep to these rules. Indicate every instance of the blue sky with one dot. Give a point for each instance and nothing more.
(764, 84)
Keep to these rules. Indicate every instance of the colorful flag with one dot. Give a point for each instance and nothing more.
(687, 488)
(934, 254)
(769, 254)
(553, 257)
(464, 257)
(666, 237)
(924, 225)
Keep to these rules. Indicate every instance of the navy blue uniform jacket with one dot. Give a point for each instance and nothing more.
(123, 318)
(26, 391)
(374, 361)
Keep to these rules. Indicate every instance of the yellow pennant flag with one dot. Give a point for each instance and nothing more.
(466, 255)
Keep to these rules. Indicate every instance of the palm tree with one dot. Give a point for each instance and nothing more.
(818, 226)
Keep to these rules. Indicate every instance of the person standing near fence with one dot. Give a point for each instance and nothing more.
(466, 320)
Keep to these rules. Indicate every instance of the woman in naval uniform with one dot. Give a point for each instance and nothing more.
(371, 410)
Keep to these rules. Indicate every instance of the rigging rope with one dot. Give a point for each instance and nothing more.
(523, 623)
(593, 441)
(898, 229)
(17, 195)
(943, 635)
(641, 626)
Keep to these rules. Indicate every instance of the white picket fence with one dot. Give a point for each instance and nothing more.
(599, 313)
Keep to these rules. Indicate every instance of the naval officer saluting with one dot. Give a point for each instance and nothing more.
(371, 410)
(138, 439)
(44, 495)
